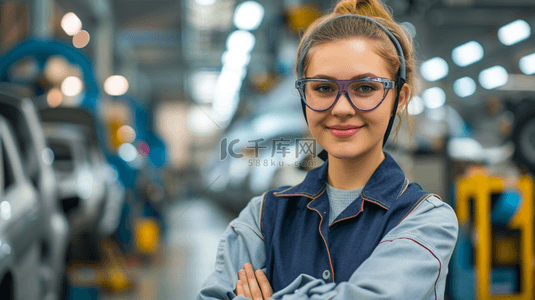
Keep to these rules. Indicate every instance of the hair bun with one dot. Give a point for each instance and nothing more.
(368, 8)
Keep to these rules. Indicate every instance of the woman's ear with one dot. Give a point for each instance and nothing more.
(404, 95)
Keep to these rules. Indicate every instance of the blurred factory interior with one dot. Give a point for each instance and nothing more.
(133, 131)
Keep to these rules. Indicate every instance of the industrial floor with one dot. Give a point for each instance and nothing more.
(186, 257)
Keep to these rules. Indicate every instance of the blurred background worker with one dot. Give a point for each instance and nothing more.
(133, 131)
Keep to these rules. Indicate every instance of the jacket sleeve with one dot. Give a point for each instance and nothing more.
(410, 262)
(241, 242)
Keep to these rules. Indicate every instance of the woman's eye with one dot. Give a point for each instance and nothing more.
(366, 88)
(324, 89)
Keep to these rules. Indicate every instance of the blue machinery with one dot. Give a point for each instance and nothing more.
(41, 51)
(494, 254)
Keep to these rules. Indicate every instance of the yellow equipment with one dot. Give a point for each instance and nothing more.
(479, 186)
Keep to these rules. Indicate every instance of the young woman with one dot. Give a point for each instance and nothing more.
(355, 228)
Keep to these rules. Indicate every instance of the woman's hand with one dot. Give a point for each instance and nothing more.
(253, 285)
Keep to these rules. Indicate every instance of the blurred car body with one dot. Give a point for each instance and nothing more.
(88, 186)
(81, 188)
(22, 116)
(21, 224)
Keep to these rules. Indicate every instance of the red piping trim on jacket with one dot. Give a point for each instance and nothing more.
(371, 201)
(417, 204)
(324, 241)
(261, 215)
(361, 210)
(439, 263)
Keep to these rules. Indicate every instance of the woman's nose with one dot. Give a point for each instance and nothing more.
(343, 106)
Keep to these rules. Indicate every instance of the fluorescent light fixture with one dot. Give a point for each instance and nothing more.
(416, 106)
(71, 23)
(229, 82)
(226, 96)
(464, 87)
(434, 97)
(224, 108)
(248, 15)
(467, 54)
(116, 85)
(128, 152)
(514, 32)
(235, 59)
(434, 69)
(71, 86)
(527, 64)
(205, 2)
(241, 41)
(493, 77)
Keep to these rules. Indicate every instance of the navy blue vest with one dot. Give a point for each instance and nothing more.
(299, 240)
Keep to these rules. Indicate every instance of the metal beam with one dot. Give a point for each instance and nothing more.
(41, 22)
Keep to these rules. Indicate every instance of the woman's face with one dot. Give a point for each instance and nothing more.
(341, 60)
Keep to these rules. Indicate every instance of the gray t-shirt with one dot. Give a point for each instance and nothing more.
(340, 199)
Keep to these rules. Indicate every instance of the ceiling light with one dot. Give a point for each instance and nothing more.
(126, 134)
(54, 97)
(205, 2)
(464, 87)
(514, 32)
(248, 15)
(467, 54)
(56, 69)
(116, 85)
(235, 59)
(527, 64)
(81, 39)
(493, 77)
(241, 41)
(71, 23)
(71, 86)
(434, 97)
(128, 152)
(434, 69)
(416, 106)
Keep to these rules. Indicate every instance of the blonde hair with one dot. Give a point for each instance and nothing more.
(330, 28)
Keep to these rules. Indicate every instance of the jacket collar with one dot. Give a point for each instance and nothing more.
(385, 185)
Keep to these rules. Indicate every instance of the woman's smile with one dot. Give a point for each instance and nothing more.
(343, 131)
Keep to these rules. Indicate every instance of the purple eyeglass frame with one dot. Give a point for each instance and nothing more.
(388, 84)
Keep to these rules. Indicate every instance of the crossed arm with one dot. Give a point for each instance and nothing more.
(253, 284)
(410, 262)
